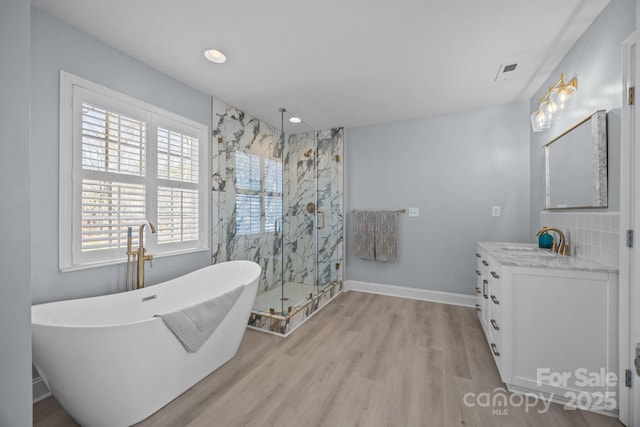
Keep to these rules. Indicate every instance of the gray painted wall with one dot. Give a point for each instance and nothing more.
(15, 302)
(452, 167)
(56, 46)
(596, 60)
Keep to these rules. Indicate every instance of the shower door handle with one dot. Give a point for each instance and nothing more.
(320, 227)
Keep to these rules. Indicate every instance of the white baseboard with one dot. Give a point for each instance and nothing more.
(411, 293)
(40, 390)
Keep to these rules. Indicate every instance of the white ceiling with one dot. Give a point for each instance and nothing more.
(343, 62)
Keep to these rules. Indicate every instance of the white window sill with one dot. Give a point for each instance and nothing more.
(123, 260)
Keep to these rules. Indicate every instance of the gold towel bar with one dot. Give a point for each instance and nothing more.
(398, 211)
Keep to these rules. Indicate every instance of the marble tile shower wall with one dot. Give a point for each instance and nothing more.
(238, 132)
(593, 236)
(301, 240)
(299, 190)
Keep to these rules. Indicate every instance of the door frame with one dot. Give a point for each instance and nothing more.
(629, 290)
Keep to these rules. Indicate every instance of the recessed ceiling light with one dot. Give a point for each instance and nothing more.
(295, 120)
(215, 55)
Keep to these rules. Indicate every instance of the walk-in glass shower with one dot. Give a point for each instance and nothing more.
(280, 203)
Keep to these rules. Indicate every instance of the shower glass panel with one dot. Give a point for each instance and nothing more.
(280, 205)
(300, 216)
(250, 189)
(329, 229)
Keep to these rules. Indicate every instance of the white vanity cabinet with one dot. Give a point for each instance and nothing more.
(551, 323)
(489, 295)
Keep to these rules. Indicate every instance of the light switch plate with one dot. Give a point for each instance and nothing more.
(414, 212)
(495, 211)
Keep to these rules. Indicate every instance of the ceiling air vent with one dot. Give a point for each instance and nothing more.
(508, 71)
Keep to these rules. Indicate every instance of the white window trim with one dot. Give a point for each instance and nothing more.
(67, 175)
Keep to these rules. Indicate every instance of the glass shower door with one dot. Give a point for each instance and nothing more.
(250, 193)
(330, 221)
(300, 207)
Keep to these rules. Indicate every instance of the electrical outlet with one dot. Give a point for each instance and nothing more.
(414, 212)
(495, 211)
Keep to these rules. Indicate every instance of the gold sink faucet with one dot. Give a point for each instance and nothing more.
(139, 254)
(560, 247)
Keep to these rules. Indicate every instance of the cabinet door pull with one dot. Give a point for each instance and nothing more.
(485, 263)
(478, 272)
(495, 325)
(477, 290)
(484, 289)
(478, 307)
(495, 275)
(478, 255)
(494, 349)
(495, 300)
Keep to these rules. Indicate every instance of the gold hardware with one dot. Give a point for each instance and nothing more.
(308, 153)
(337, 158)
(311, 295)
(311, 207)
(541, 118)
(337, 266)
(289, 309)
(272, 311)
(562, 248)
(631, 97)
(396, 211)
(140, 255)
(322, 226)
(220, 139)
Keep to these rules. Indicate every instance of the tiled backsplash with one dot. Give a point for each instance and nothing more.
(593, 236)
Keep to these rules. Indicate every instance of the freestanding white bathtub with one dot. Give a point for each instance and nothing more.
(109, 362)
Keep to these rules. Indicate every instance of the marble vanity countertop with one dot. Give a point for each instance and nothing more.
(529, 255)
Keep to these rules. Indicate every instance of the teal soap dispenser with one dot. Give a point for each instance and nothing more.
(545, 240)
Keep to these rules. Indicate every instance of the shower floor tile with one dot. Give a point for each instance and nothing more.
(296, 293)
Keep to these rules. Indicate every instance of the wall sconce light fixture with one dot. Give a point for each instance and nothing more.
(555, 99)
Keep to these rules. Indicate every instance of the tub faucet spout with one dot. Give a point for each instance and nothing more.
(141, 253)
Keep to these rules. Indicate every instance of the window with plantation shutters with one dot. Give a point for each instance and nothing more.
(113, 168)
(178, 172)
(124, 162)
(258, 193)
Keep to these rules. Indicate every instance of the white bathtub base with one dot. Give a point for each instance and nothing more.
(117, 374)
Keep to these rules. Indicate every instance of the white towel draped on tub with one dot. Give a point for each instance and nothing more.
(376, 235)
(193, 325)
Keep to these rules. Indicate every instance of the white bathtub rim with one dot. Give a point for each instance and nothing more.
(142, 292)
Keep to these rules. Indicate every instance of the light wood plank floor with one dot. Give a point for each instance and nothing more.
(363, 360)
